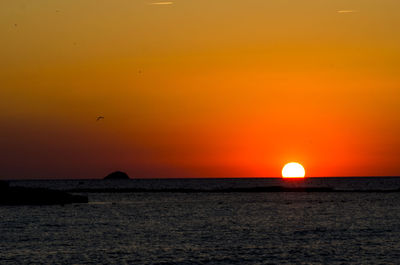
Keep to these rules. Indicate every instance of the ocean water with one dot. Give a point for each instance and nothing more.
(208, 228)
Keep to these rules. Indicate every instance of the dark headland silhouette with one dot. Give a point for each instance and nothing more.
(117, 175)
(36, 196)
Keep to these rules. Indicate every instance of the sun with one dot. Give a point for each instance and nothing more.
(293, 170)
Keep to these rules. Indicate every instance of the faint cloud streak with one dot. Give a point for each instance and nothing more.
(161, 3)
(347, 11)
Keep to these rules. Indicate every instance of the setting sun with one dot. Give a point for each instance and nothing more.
(293, 170)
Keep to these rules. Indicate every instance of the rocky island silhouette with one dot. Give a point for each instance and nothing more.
(117, 175)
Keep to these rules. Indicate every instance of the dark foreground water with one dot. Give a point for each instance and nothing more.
(207, 228)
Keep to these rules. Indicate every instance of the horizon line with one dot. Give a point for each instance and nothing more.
(166, 178)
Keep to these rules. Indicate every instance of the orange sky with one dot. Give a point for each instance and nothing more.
(199, 88)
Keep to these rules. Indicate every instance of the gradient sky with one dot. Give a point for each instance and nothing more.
(199, 88)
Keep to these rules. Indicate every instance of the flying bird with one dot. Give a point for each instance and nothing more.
(99, 118)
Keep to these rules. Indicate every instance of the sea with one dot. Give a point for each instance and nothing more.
(358, 226)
